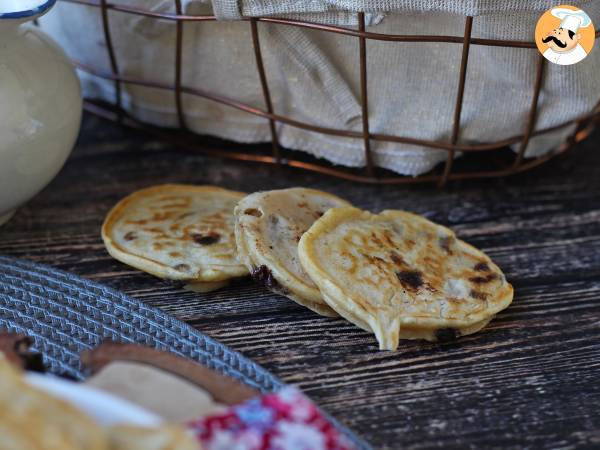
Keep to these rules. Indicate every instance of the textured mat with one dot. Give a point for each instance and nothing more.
(66, 314)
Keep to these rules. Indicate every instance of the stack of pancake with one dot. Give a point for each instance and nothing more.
(395, 274)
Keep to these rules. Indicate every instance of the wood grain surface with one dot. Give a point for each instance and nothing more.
(531, 379)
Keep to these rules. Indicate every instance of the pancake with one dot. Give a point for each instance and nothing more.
(32, 419)
(204, 287)
(127, 437)
(177, 232)
(268, 226)
(402, 276)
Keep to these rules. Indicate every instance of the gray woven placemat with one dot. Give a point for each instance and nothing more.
(66, 314)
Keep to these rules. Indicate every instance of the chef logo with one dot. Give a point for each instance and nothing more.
(565, 35)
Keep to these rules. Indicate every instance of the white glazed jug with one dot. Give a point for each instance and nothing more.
(40, 105)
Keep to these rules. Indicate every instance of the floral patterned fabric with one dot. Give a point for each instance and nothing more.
(286, 420)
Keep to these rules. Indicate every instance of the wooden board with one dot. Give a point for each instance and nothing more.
(530, 379)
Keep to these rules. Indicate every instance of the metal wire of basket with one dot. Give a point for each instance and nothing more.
(277, 155)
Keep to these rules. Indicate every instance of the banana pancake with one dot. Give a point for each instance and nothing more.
(177, 232)
(267, 229)
(33, 419)
(128, 437)
(206, 286)
(402, 276)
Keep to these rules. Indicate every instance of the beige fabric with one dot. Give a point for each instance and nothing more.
(171, 397)
(313, 76)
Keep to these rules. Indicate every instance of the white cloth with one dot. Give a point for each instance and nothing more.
(566, 58)
(313, 76)
(316, 10)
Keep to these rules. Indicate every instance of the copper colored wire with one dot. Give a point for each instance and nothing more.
(316, 26)
(265, 88)
(459, 98)
(584, 123)
(102, 111)
(427, 144)
(531, 118)
(364, 97)
(178, 67)
(111, 53)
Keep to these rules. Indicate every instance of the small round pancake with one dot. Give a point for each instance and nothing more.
(165, 437)
(268, 227)
(400, 275)
(30, 418)
(202, 287)
(176, 232)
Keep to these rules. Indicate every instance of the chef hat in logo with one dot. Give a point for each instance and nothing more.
(572, 20)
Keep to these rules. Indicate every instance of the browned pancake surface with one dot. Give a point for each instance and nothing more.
(178, 232)
(398, 269)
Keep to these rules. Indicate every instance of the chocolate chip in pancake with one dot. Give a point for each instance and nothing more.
(268, 227)
(402, 276)
(177, 232)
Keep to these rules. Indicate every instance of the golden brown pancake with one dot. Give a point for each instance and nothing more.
(126, 437)
(400, 275)
(268, 227)
(31, 419)
(177, 232)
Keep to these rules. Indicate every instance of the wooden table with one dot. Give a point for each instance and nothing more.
(529, 379)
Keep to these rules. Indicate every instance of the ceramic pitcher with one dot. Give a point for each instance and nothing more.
(40, 104)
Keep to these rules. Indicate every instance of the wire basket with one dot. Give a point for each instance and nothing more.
(275, 154)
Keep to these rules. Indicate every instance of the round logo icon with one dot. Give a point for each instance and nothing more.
(565, 35)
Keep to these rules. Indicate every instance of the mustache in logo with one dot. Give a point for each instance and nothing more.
(556, 41)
